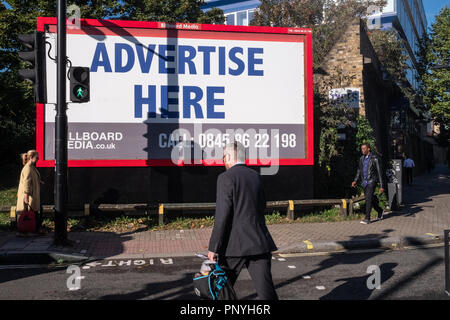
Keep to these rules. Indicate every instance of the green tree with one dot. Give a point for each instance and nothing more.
(17, 110)
(328, 19)
(365, 134)
(335, 159)
(330, 115)
(435, 53)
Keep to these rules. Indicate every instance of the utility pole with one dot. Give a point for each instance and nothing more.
(61, 133)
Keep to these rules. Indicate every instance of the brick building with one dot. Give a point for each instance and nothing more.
(353, 57)
(399, 127)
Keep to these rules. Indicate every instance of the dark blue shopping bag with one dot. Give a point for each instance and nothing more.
(214, 286)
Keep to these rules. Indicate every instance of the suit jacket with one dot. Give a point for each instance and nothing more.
(239, 224)
(374, 174)
(30, 183)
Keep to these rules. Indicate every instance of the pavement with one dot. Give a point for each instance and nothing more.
(422, 221)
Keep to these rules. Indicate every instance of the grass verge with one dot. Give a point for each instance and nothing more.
(120, 223)
(8, 197)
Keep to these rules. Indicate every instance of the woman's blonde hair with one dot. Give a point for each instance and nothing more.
(27, 156)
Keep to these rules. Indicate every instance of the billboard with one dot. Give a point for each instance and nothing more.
(173, 94)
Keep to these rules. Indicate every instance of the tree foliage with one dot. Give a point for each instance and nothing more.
(435, 72)
(365, 134)
(328, 19)
(336, 159)
(330, 115)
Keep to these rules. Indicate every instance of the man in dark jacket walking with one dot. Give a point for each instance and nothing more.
(240, 236)
(370, 174)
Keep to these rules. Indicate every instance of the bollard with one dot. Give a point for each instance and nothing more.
(350, 207)
(12, 213)
(87, 209)
(13, 217)
(161, 214)
(290, 211)
(343, 208)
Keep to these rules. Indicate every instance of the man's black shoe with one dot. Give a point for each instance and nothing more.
(365, 221)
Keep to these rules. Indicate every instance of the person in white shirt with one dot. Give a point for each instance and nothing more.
(408, 164)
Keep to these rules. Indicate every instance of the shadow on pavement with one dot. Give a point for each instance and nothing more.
(365, 241)
(180, 289)
(356, 288)
(101, 244)
(425, 187)
(433, 262)
(7, 275)
(336, 259)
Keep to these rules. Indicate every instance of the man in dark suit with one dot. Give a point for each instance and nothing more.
(240, 236)
(370, 174)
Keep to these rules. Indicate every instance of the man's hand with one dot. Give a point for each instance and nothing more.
(381, 190)
(353, 184)
(212, 256)
(25, 199)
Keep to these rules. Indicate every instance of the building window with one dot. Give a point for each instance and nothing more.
(230, 19)
(242, 18)
(251, 14)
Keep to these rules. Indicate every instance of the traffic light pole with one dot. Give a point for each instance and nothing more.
(61, 133)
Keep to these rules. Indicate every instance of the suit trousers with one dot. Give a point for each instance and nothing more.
(409, 175)
(259, 268)
(371, 200)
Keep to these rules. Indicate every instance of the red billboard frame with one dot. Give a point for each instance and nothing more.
(263, 33)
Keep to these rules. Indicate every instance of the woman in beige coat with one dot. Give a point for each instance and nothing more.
(29, 193)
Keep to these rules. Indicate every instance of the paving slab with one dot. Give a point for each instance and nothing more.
(422, 220)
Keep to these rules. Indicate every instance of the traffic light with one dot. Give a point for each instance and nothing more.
(79, 84)
(36, 57)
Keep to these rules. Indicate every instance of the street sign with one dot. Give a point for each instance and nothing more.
(350, 97)
(174, 94)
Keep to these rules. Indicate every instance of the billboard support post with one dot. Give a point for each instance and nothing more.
(61, 133)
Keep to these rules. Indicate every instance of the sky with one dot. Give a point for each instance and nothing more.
(433, 7)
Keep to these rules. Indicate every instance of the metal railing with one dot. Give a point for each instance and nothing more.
(162, 209)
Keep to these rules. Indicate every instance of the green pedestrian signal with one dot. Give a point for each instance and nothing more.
(80, 92)
(79, 84)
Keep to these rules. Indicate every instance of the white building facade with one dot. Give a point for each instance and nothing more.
(408, 19)
(237, 12)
